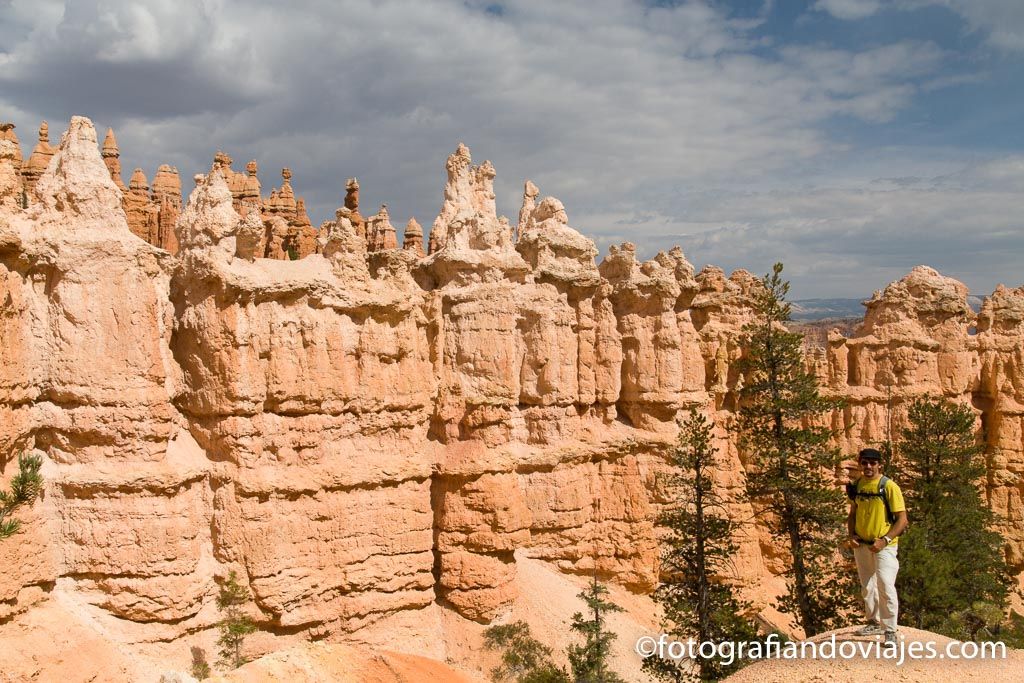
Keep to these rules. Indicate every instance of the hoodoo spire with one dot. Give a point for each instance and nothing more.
(40, 159)
(413, 238)
(112, 159)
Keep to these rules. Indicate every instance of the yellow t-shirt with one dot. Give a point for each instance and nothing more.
(870, 523)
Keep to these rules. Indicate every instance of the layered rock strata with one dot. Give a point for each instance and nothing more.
(373, 430)
(87, 379)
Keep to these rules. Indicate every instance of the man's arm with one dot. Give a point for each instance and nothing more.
(851, 521)
(900, 525)
(895, 530)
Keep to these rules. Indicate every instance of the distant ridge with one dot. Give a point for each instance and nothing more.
(818, 309)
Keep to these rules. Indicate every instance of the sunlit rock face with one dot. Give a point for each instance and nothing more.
(361, 430)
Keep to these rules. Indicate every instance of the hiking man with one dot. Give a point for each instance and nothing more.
(877, 517)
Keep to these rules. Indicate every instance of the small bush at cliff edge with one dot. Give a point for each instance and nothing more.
(200, 667)
(523, 658)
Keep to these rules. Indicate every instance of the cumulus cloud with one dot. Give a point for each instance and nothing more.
(622, 110)
(119, 59)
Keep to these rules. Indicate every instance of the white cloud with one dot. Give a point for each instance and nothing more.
(619, 110)
(996, 175)
(849, 9)
(850, 239)
(1001, 22)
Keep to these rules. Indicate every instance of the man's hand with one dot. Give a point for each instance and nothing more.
(878, 545)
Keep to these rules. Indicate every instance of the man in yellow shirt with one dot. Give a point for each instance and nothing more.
(877, 517)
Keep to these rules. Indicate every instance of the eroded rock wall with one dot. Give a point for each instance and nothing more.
(320, 495)
(920, 338)
(370, 430)
(1000, 395)
(87, 378)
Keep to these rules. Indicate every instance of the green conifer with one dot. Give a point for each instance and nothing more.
(952, 570)
(695, 594)
(589, 662)
(25, 487)
(235, 625)
(791, 478)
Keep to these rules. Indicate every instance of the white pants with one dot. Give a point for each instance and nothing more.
(877, 573)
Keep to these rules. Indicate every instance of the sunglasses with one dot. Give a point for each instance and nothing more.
(864, 463)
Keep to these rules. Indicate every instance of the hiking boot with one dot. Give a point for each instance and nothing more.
(890, 637)
(871, 629)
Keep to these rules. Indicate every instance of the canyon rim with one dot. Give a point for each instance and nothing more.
(373, 434)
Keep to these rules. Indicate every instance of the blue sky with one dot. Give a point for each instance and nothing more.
(850, 139)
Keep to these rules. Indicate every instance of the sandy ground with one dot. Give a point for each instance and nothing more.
(338, 663)
(547, 601)
(63, 639)
(51, 643)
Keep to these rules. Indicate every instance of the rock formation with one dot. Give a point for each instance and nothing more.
(412, 239)
(352, 204)
(167, 198)
(1000, 396)
(530, 192)
(33, 168)
(139, 208)
(380, 234)
(86, 378)
(7, 133)
(150, 216)
(371, 433)
(249, 197)
(152, 213)
(112, 159)
(12, 184)
(290, 235)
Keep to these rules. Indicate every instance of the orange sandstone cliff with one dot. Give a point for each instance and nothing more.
(373, 430)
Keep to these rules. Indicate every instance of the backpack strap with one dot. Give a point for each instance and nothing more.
(852, 493)
(889, 517)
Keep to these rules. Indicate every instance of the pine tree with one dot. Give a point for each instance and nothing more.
(25, 486)
(526, 660)
(589, 662)
(523, 659)
(235, 625)
(791, 478)
(952, 570)
(696, 599)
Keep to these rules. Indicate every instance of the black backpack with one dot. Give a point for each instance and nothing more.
(853, 494)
